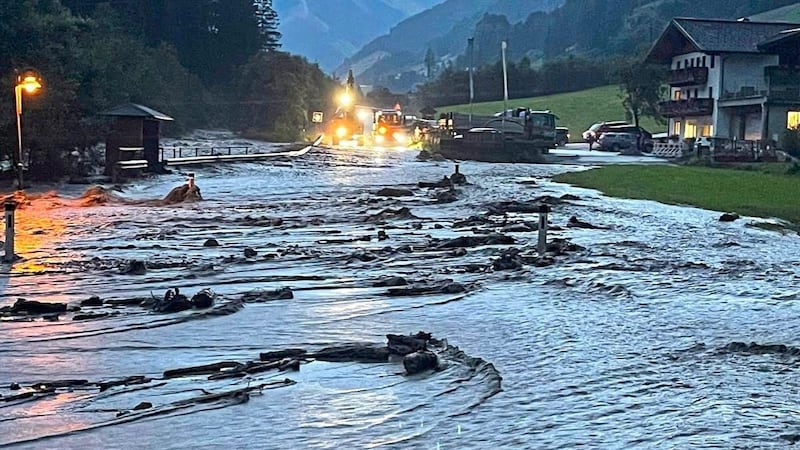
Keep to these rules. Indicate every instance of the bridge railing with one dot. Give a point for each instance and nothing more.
(184, 152)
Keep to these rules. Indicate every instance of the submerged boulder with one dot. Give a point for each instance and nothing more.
(188, 192)
(420, 361)
(22, 306)
(391, 281)
(173, 301)
(574, 222)
(445, 182)
(281, 354)
(474, 241)
(448, 196)
(402, 345)
(353, 352)
(203, 299)
(387, 214)
(135, 267)
(284, 293)
(394, 192)
(92, 301)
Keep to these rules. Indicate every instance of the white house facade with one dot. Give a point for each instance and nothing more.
(736, 80)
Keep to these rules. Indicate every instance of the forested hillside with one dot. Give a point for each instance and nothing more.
(204, 62)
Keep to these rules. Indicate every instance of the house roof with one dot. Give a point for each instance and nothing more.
(136, 110)
(684, 35)
(780, 38)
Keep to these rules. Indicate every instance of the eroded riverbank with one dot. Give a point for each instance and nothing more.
(599, 349)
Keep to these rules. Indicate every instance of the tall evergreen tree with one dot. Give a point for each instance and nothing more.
(267, 24)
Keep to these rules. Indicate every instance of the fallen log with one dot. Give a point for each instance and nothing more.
(201, 370)
(365, 353)
(280, 354)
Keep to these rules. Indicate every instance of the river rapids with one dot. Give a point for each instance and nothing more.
(642, 339)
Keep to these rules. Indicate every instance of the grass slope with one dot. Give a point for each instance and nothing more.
(576, 110)
(790, 13)
(745, 192)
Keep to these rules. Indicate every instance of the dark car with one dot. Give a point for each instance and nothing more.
(595, 131)
(646, 139)
(562, 136)
(613, 141)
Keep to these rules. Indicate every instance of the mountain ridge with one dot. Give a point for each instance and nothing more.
(328, 31)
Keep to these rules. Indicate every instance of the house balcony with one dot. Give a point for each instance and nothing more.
(687, 108)
(688, 77)
(783, 82)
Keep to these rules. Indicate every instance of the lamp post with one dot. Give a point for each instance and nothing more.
(28, 82)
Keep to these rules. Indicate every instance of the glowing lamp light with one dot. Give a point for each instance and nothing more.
(341, 132)
(345, 99)
(31, 84)
(382, 130)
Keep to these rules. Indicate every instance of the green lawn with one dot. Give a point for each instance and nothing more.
(751, 193)
(575, 110)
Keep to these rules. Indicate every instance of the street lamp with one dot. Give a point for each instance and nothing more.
(28, 82)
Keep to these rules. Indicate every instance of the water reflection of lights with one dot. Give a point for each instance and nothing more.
(38, 231)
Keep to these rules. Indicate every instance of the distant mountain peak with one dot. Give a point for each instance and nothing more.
(328, 31)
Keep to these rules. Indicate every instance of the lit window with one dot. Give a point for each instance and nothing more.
(677, 95)
(707, 131)
(676, 128)
(690, 131)
(793, 120)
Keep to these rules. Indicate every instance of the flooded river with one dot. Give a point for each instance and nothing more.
(629, 343)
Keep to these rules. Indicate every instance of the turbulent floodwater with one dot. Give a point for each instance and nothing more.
(623, 345)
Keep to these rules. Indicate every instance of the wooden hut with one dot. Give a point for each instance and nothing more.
(133, 142)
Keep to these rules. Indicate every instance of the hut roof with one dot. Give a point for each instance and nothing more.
(136, 110)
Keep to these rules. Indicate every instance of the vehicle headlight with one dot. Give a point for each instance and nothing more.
(379, 139)
(341, 132)
(400, 137)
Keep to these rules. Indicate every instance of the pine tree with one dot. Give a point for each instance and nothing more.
(267, 24)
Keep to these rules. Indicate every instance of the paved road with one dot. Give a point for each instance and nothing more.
(585, 156)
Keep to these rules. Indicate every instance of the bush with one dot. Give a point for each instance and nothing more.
(791, 142)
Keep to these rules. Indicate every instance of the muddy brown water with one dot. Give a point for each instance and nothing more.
(622, 346)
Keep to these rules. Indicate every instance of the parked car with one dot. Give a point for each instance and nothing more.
(562, 136)
(616, 142)
(594, 132)
(647, 138)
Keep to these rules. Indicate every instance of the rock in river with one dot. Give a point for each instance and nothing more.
(474, 241)
(92, 301)
(728, 217)
(173, 301)
(402, 345)
(391, 281)
(353, 352)
(135, 267)
(22, 306)
(394, 192)
(420, 361)
(283, 293)
(203, 299)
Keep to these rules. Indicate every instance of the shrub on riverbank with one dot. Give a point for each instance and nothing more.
(752, 193)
